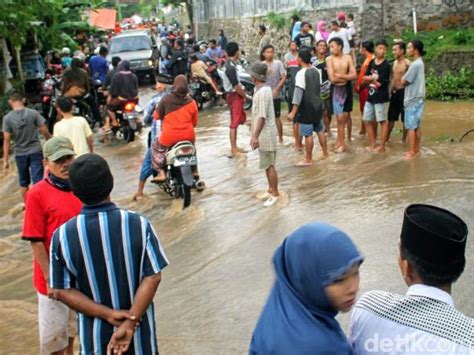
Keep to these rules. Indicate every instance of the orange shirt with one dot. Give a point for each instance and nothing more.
(178, 125)
(363, 69)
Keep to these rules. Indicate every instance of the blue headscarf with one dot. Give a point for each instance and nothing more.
(298, 317)
(296, 30)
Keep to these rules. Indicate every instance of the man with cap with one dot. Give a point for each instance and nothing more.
(431, 259)
(49, 204)
(106, 264)
(264, 131)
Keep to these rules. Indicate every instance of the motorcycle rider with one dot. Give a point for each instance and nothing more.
(199, 70)
(76, 85)
(66, 57)
(124, 87)
(178, 64)
(178, 113)
(150, 117)
(98, 66)
(111, 73)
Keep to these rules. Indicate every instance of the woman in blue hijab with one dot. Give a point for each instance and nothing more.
(317, 275)
(296, 30)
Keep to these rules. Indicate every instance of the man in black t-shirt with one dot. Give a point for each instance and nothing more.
(305, 39)
(377, 77)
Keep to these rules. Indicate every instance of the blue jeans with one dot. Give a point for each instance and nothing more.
(30, 168)
(146, 170)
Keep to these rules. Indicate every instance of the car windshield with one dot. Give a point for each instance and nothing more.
(130, 44)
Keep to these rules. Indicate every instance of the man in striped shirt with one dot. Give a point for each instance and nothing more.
(106, 264)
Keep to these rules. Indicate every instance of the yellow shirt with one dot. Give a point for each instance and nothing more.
(77, 130)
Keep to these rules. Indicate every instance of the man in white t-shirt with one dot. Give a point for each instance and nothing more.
(341, 33)
(73, 127)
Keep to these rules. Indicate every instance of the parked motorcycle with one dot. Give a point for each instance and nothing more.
(180, 161)
(129, 119)
(249, 86)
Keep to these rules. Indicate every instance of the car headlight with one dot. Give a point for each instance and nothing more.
(146, 63)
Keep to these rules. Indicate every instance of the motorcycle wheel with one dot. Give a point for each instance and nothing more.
(248, 103)
(128, 134)
(186, 195)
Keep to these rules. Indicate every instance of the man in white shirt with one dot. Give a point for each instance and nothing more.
(75, 128)
(424, 321)
(343, 34)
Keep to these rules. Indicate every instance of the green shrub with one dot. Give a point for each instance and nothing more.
(462, 37)
(450, 85)
(276, 20)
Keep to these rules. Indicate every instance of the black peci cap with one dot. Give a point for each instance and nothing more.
(91, 179)
(435, 236)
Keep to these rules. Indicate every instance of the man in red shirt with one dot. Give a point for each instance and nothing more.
(49, 204)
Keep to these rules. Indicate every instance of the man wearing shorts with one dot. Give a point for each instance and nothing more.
(341, 72)
(320, 63)
(400, 67)
(235, 96)
(377, 77)
(264, 130)
(308, 105)
(414, 100)
(48, 205)
(22, 124)
(276, 77)
(367, 52)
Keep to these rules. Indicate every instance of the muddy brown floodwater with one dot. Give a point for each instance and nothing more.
(220, 248)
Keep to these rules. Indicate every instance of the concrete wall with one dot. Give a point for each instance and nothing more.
(374, 18)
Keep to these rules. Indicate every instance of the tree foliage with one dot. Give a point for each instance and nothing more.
(176, 3)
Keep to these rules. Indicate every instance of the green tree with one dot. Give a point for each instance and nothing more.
(177, 3)
(52, 21)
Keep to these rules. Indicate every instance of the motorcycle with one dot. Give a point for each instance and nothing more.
(249, 86)
(129, 119)
(202, 92)
(180, 161)
(50, 91)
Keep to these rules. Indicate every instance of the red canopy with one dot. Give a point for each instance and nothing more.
(103, 18)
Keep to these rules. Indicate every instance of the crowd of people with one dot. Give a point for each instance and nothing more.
(105, 263)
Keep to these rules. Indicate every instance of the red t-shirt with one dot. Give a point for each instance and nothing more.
(46, 209)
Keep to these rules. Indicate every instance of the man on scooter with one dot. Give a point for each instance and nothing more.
(76, 85)
(124, 88)
(179, 115)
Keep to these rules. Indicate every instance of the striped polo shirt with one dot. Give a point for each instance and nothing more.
(105, 253)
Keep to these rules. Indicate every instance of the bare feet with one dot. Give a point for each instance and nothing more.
(409, 156)
(298, 147)
(373, 149)
(138, 197)
(381, 149)
(341, 149)
(305, 163)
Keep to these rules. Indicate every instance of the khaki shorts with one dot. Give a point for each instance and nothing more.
(56, 322)
(267, 159)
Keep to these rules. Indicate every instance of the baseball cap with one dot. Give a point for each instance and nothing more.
(57, 147)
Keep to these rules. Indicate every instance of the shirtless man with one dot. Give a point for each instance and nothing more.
(397, 90)
(341, 72)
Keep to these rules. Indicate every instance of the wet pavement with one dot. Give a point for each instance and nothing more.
(220, 248)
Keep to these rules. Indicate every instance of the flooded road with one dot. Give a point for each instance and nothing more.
(220, 248)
